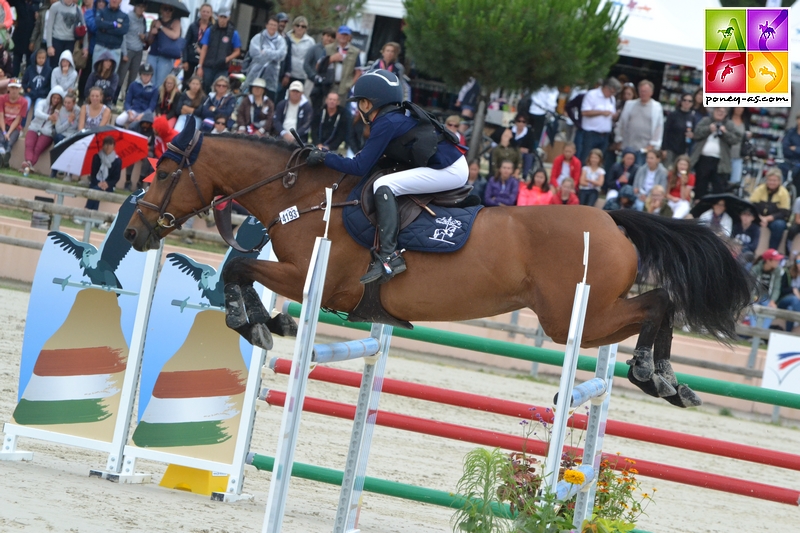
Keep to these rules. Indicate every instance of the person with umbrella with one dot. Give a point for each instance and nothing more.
(772, 202)
(106, 170)
(165, 42)
(717, 219)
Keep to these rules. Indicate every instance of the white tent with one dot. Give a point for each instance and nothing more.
(386, 8)
(671, 31)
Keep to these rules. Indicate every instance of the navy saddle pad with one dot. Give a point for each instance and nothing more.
(446, 232)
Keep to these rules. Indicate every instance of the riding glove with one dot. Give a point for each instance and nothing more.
(316, 157)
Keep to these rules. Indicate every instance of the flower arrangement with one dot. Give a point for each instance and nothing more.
(492, 479)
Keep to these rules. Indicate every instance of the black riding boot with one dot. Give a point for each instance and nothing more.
(389, 261)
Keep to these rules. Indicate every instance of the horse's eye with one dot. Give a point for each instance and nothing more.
(162, 175)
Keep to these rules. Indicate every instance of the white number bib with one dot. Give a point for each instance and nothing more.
(287, 215)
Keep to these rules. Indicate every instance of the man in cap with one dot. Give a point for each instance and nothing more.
(13, 108)
(286, 66)
(219, 46)
(343, 59)
(142, 97)
(283, 20)
(294, 112)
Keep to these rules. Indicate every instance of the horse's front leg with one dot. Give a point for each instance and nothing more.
(244, 311)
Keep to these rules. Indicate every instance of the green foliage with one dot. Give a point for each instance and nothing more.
(547, 516)
(513, 44)
(482, 470)
(606, 525)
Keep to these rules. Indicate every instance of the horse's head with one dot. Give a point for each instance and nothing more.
(175, 195)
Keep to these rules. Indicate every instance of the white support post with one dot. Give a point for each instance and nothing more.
(8, 452)
(114, 465)
(295, 393)
(595, 432)
(553, 460)
(361, 437)
(571, 353)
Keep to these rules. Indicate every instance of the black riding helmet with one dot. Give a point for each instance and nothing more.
(380, 87)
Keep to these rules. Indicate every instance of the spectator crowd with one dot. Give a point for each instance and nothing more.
(82, 65)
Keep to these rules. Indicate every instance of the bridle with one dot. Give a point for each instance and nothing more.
(169, 221)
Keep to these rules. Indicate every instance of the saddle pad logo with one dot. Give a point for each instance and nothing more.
(451, 225)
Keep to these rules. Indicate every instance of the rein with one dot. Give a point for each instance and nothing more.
(223, 217)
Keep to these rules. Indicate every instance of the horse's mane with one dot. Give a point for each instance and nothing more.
(269, 141)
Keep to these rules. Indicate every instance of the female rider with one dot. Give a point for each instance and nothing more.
(435, 166)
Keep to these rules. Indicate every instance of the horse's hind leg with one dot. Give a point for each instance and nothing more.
(661, 382)
(655, 332)
(684, 396)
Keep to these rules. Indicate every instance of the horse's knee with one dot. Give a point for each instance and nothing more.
(237, 271)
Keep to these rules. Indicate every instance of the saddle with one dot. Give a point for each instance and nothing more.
(409, 206)
(370, 308)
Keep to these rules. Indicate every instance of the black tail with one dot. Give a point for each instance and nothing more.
(708, 287)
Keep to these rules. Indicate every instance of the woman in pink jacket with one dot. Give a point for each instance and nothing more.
(536, 191)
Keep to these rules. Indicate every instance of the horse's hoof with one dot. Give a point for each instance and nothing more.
(656, 386)
(685, 397)
(283, 325)
(260, 336)
(664, 369)
(642, 364)
(235, 316)
(663, 387)
(256, 313)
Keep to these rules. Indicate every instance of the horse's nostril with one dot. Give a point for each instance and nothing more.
(130, 234)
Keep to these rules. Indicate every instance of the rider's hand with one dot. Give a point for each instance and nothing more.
(316, 157)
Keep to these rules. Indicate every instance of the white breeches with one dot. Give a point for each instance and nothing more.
(424, 180)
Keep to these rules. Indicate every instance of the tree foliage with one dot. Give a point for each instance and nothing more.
(513, 44)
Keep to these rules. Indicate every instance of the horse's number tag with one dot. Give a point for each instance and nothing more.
(287, 215)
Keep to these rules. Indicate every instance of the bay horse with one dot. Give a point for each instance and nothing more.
(515, 257)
